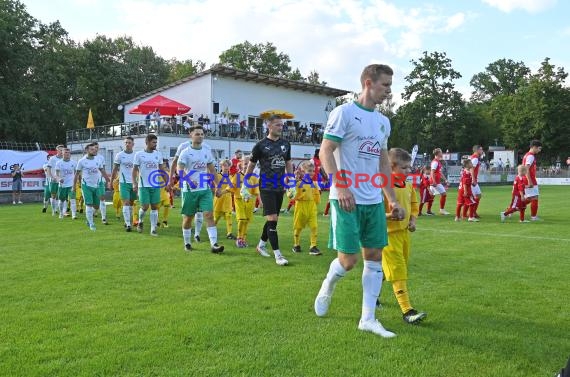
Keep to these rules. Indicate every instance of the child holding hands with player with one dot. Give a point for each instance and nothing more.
(396, 255)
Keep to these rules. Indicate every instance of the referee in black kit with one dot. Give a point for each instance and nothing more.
(274, 156)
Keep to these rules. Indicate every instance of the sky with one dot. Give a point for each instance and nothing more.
(336, 38)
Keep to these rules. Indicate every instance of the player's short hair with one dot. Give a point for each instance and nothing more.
(476, 147)
(95, 143)
(129, 138)
(225, 161)
(374, 71)
(436, 151)
(65, 149)
(150, 137)
(194, 128)
(522, 167)
(399, 155)
(273, 117)
(535, 143)
(60, 146)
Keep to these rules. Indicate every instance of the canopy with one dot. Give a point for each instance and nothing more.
(165, 106)
(284, 114)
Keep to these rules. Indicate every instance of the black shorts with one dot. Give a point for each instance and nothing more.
(272, 201)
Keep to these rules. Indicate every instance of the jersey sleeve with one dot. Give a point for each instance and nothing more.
(117, 159)
(474, 161)
(288, 154)
(178, 150)
(255, 153)
(336, 126)
(434, 165)
(137, 160)
(79, 166)
(182, 159)
(210, 157)
(529, 160)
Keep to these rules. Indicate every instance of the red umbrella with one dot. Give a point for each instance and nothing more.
(165, 106)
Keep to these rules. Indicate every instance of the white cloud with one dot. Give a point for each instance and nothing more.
(531, 6)
(337, 38)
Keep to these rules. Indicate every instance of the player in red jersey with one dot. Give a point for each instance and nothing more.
(425, 195)
(476, 161)
(465, 196)
(436, 177)
(531, 191)
(518, 202)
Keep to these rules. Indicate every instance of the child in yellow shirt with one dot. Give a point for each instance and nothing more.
(164, 204)
(244, 206)
(223, 199)
(307, 197)
(396, 255)
(117, 202)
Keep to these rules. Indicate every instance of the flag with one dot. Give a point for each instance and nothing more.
(90, 122)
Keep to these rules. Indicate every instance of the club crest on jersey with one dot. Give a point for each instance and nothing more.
(201, 165)
(283, 149)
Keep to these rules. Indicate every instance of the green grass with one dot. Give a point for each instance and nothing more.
(110, 303)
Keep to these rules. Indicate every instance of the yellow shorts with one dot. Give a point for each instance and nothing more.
(244, 210)
(395, 256)
(305, 214)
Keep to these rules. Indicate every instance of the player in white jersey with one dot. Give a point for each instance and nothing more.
(47, 193)
(123, 166)
(65, 171)
(196, 168)
(54, 185)
(101, 187)
(199, 216)
(148, 177)
(89, 171)
(355, 141)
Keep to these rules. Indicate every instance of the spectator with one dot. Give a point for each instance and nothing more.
(187, 124)
(17, 184)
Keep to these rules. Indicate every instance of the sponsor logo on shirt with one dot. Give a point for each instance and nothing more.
(369, 148)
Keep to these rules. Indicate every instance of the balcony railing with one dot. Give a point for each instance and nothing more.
(213, 131)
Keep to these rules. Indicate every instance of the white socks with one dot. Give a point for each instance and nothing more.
(73, 203)
(187, 235)
(103, 210)
(336, 272)
(127, 215)
(153, 219)
(371, 284)
(141, 215)
(199, 220)
(212, 234)
(89, 214)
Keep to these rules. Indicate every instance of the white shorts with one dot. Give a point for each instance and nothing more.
(529, 192)
(476, 190)
(437, 190)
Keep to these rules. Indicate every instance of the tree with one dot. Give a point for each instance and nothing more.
(17, 34)
(182, 69)
(539, 110)
(296, 75)
(502, 77)
(258, 58)
(436, 103)
(313, 78)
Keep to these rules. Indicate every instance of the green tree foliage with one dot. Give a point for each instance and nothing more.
(436, 105)
(259, 58)
(502, 77)
(181, 69)
(314, 78)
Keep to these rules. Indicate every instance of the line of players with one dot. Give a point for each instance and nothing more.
(525, 186)
(85, 181)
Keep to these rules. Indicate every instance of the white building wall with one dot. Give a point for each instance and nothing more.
(248, 98)
(195, 93)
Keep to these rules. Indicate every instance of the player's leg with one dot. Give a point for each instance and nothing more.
(144, 201)
(206, 204)
(198, 222)
(373, 237)
(103, 206)
(297, 227)
(188, 210)
(343, 231)
(154, 204)
(314, 228)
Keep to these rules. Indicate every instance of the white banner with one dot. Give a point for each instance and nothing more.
(553, 181)
(31, 164)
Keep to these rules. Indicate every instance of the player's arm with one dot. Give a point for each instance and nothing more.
(135, 177)
(216, 189)
(432, 177)
(345, 197)
(106, 176)
(173, 171)
(414, 210)
(398, 213)
(529, 181)
(115, 171)
(77, 177)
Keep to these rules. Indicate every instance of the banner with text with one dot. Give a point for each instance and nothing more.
(31, 164)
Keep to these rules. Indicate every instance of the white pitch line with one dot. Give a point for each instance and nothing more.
(496, 234)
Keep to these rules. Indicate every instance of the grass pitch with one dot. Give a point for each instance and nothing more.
(110, 303)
